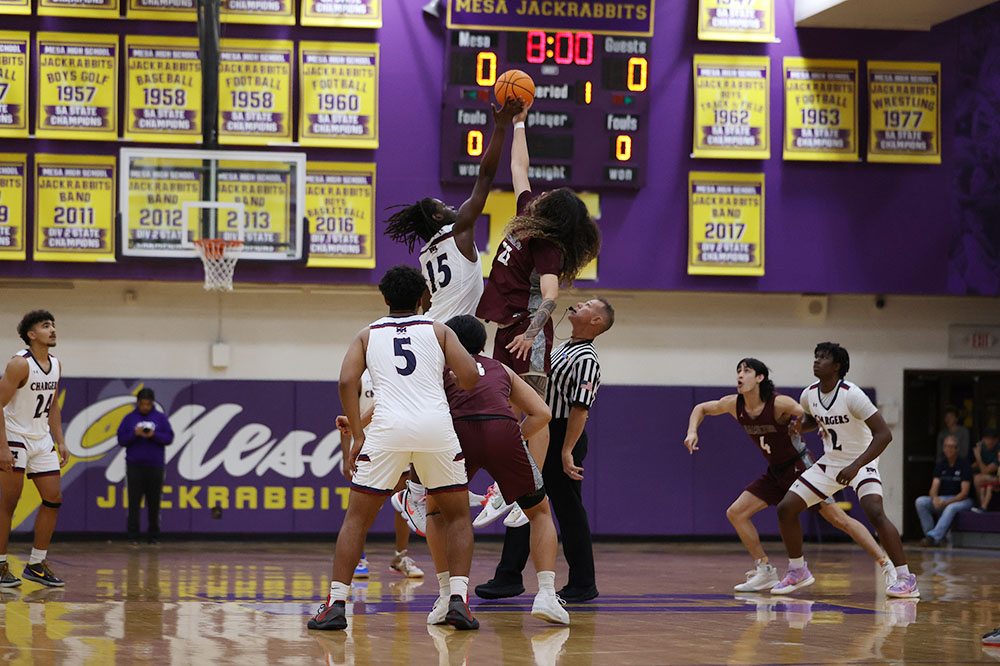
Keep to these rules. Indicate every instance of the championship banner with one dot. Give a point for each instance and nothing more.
(341, 13)
(255, 91)
(15, 7)
(340, 209)
(821, 110)
(732, 107)
(74, 207)
(13, 199)
(272, 12)
(726, 223)
(162, 10)
(338, 85)
(77, 86)
(905, 115)
(15, 48)
(157, 191)
(162, 89)
(267, 206)
(106, 9)
(736, 20)
(607, 18)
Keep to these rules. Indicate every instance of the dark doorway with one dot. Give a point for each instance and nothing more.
(926, 395)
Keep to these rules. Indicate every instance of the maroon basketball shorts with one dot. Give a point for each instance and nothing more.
(772, 486)
(495, 445)
(538, 361)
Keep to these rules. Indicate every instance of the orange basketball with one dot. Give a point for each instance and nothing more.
(514, 83)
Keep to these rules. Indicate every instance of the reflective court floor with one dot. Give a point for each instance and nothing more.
(660, 603)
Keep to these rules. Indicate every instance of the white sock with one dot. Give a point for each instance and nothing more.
(417, 489)
(885, 562)
(796, 562)
(762, 562)
(37, 556)
(444, 584)
(3, 558)
(401, 553)
(338, 592)
(903, 570)
(460, 585)
(546, 581)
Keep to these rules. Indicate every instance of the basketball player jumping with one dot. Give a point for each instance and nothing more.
(30, 433)
(765, 416)
(854, 436)
(406, 354)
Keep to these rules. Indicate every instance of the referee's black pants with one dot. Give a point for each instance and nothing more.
(144, 482)
(567, 505)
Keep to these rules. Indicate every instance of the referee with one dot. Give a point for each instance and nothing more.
(573, 382)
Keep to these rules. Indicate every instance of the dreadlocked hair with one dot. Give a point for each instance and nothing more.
(412, 223)
(562, 218)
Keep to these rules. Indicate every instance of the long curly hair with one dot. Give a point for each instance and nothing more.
(561, 217)
(412, 223)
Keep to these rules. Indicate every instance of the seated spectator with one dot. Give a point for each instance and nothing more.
(949, 494)
(987, 460)
(959, 432)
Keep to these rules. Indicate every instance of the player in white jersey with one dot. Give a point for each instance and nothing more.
(30, 431)
(406, 354)
(854, 436)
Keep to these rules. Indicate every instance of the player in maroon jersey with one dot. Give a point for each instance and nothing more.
(492, 439)
(765, 416)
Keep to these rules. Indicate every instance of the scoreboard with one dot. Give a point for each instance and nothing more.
(589, 124)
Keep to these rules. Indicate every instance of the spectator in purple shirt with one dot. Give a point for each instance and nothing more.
(144, 433)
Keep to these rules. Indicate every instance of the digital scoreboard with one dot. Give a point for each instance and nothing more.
(589, 124)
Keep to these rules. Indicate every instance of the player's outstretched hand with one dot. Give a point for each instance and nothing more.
(6, 459)
(63, 454)
(846, 475)
(521, 117)
(343, 425)
(520, 346)
(795, 427)
(504, 116)
(691, 441)
(569, 466)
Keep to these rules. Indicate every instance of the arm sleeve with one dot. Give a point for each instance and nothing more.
(859, 404)
(545, 256)
(804, 401)
(586, 379)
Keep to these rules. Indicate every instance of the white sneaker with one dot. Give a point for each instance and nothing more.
(494, 508)
(547, 607)
(413, 509)
(439, 611)
(516, 517)
(889, 573)
(405, 565)
(476, 499)
(763, 578)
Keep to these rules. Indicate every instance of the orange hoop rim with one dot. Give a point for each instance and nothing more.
(215, 248)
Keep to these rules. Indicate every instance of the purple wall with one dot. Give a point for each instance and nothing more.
(842, 228)
(259, 435)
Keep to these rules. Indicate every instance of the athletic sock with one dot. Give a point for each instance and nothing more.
(444, 584)
(884, 561)
(762, 562)
(401, 553)
(796, 562)
(903, 570)
(338, 592)
(417, 489)
(460, 585)
(3, 558)
(546, 581)
(37, 556)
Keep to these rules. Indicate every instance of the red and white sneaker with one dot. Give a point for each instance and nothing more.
(493, 509)
(413, 509)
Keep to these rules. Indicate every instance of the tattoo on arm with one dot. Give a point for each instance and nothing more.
(542, 315)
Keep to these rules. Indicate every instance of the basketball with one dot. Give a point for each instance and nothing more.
(514, 83)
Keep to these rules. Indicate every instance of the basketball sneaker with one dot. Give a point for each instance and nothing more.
(438, 612)
(516, 517)
(7, 579)
(405, 565)
(494, 507)
(905, 587)
(547, 607)
(459, 615)
(475, 499)
(992, 639)
(761, 579)
(795, 578)
(362, 571)
(889, 572)
(413, 509)
(41, 573)
(329, 618)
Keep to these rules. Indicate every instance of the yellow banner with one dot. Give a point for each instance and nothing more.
(83, 8)
(162, 10)
(15, 52)
(255, 91)
(736, 20)
(273, 12)
(732, 106)
(267, 207)
(338, 84)
(726, 223)
(157, 191)
(340, 14)
(15, 7)
(162, 89)
(340, 207)
(74, 207)
(905, 120)
(821, 109)
(77, 86)
(13, 196)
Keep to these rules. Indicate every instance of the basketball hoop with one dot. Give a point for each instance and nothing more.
(219, 257)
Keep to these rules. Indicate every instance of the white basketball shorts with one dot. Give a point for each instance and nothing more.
(37, 457)
(378, 470)
(819, 482)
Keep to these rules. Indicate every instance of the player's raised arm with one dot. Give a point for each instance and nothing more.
(526, 399)
(725, 405)
(462, 365)
(14, 375)
(519, 158)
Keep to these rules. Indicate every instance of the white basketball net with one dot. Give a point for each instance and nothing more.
(219, 258)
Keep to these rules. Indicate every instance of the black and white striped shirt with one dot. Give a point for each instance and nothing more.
(574, 378)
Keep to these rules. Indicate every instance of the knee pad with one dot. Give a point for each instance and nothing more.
(51, 505)
(532, 499)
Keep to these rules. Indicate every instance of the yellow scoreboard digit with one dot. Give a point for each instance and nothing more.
(77, 86)
(255, 91)
(163, 89)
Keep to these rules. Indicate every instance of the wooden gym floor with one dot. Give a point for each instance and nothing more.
(248, 602)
